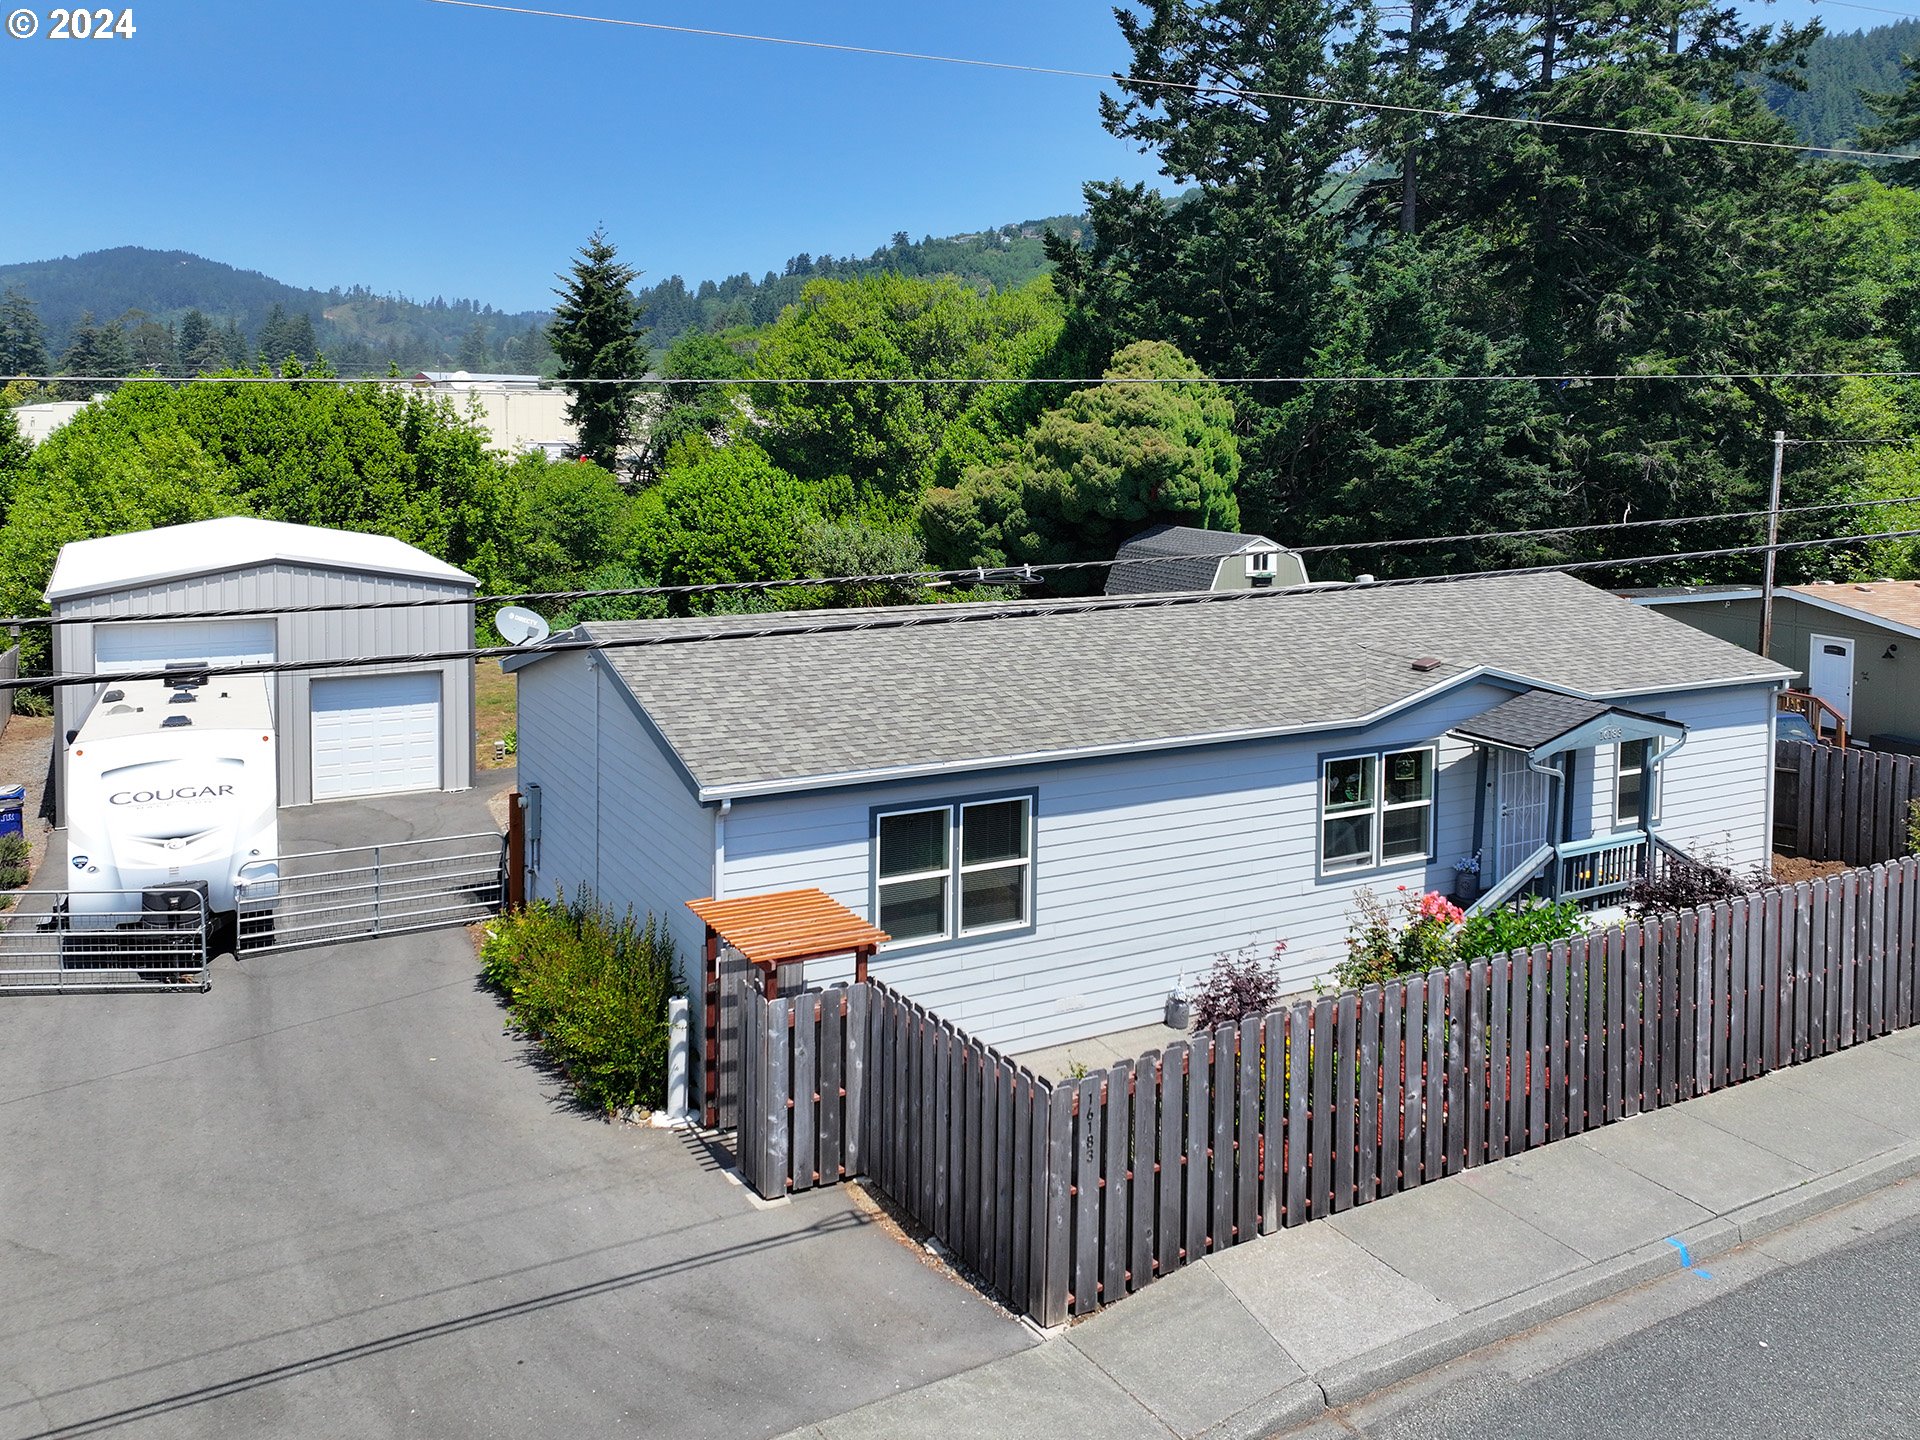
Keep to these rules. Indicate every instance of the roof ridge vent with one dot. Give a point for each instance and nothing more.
(1427, 663)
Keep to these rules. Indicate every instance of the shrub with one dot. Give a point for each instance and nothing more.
(1381, 945)
(1536, 922)
(1242, 982)
(1683, 884)
(32, 702)
(592, 989)
(14, 856)
(512, 741)
(1913, 827)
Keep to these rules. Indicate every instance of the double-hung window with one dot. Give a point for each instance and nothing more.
(1376, 809)
(958, 869)
(1636, 784)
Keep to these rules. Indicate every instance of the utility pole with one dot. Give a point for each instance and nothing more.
(1773, 540)
(1410, 160)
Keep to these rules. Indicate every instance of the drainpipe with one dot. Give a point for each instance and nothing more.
(720, 850)
(1559, 804)
(1655, 764)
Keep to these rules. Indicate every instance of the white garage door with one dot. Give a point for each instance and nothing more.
(120, 648)
(375, 733)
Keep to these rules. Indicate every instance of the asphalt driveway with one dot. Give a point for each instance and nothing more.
(331, 1198)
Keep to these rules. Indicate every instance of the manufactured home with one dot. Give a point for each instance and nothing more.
(1054, 816)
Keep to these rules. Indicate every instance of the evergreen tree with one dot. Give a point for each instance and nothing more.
(1899, 127)
(94, 350)
(233, 343)
(23, 343)
(197, 348)
(275, 343)
(475, 353)
(301, 342)
(596, 334)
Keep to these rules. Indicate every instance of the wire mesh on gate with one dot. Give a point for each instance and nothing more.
(54, 942)
(324, 897)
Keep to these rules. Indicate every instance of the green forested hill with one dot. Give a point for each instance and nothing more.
(1006, 258)
(362, 332)
(356, 328)
(1839, 66)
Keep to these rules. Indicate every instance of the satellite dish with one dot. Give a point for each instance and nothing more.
(520, 626)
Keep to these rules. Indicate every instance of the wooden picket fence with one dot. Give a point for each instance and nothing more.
(1849, 805)
(1061, 1198)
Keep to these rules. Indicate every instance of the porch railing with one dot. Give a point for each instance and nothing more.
(1603, 866)
(1827, 722)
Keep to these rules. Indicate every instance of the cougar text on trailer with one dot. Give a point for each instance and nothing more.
(170, 782)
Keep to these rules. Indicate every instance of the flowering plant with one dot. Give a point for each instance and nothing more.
(1382, 944)
(1468, 864)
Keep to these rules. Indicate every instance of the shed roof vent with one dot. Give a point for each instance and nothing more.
(174, 722)
(1426, 663)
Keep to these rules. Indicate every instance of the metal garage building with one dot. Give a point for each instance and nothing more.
(354, 732)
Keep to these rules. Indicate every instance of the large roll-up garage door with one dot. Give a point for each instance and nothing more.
(118, 649)
(375, 733)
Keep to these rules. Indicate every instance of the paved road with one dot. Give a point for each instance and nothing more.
(331, 1198)
(1828, 1346)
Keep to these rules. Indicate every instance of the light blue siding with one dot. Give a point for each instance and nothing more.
(1716, 790)
(616, 811)
(1146, 867)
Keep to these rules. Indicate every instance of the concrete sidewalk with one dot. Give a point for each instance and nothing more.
(1271, 1333)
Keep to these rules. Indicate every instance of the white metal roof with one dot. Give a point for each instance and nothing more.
(235, 542)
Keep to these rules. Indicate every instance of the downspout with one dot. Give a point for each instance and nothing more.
(1558, 804)
(720, 850)
(1655, 764)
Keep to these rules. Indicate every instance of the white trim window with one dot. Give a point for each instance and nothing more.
(1636, 780)
(1376, 809)
(1262, 566)
(964, 868)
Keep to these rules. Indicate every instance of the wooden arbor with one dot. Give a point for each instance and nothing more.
(768, 931)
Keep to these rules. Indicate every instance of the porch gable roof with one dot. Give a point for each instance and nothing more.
(1544, 724)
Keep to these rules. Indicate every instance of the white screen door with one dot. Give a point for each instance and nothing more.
(1525, 799)
(1830, 673)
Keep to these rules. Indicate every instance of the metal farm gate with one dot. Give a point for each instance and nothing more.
(120, 940)
(325, 897)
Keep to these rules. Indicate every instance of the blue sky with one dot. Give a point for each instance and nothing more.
(415, 147)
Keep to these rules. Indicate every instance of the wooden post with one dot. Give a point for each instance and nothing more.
(860, 958)
(516, 852)
(772, 988)
(710, 1058)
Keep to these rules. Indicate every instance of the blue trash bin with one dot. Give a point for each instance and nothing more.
(13, 800)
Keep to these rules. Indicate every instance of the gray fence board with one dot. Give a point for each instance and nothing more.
(1499, 989)
(1346, 1098)
(1226, 1049)
(1170, 1233)
(1199, 1131)
(1297, 1209)
(1413, 1099)
(1116, 1188)
(1392, 1082)
(1145, 1183)
(1246, 1150)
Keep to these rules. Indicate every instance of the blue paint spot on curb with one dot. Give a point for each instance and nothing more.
(1686, 1260)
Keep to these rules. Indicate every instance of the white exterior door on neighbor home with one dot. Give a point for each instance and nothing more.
(1830, 673)
(1525, 800)
(375, 733)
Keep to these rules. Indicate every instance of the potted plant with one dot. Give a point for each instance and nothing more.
(1466, 869)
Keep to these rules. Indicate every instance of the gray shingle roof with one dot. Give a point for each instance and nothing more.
(787, 711)
(1188, 559)
(1531, 720)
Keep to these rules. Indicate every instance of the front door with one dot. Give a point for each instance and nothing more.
(1830, 673)
(1525, 799)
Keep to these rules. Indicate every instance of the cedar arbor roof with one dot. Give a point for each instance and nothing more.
(788, 926)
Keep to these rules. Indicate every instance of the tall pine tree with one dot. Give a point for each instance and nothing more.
(23, 343)
(597, 335)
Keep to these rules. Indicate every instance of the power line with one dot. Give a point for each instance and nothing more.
(986, 575)
(1232, 91)
(936, 381)
(904, 618)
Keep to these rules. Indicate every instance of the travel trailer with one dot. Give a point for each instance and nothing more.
(171, 786)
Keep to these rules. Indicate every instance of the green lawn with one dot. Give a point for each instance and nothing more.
(493, 715)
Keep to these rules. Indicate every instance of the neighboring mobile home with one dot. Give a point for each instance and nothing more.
(1057, 815)
(1857, 645)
